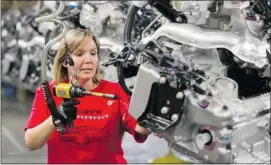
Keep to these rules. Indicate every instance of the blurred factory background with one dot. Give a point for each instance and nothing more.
(22, 42)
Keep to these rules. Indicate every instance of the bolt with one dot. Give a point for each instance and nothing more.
(203, 104)
(210, 94)
(228, 146)
(244, 65)
(229, 127)
(164, 110)
(179, 19)
(179, 95)
(175, 117)
(162, 80)
(225, 107)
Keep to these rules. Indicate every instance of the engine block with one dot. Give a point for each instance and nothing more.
(221, 128)
(218, 63)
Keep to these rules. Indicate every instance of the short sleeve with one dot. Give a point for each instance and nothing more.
(39, 111)
(128, 122)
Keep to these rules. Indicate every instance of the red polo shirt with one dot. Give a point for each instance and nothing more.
(96, 136)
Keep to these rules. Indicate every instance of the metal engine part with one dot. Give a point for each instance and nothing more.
(196, 11)
(90, 19)
(248, 48)
(102, 23)
(225, 124)
(238, 128)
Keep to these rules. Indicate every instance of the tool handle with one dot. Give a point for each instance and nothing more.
(69, 122)
(105, 95)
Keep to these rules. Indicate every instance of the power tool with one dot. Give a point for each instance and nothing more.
(69, 91)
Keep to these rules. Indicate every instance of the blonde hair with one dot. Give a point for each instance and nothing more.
(73, 39)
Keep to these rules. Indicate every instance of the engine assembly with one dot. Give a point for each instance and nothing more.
(205, 87)
(200, 70)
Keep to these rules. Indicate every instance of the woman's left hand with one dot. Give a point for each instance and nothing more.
(142, 130)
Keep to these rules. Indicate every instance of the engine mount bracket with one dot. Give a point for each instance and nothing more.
(163, 110)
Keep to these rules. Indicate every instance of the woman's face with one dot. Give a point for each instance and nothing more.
(85, 59)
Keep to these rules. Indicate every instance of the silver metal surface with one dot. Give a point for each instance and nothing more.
(142, 88)
(241, 115)
(110, 44)
(248, 49)
(239, 133)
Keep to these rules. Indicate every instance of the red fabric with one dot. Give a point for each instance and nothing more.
(96, 137)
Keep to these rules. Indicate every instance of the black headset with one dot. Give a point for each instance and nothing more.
(69, 59)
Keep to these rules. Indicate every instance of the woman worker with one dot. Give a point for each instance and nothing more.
(98, 122)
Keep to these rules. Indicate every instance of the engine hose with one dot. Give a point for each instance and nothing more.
(45, 84)
(49, 45)
(127, 40)
(122, 80)
(69, 16)
(47, 36)
(129, 24)
(50, 18)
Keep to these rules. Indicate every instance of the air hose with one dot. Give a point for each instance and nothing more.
(122, 80)
(45, 84)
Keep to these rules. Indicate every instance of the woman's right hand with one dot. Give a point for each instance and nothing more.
(67, 111)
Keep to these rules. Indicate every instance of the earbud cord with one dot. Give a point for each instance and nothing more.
(70, 62)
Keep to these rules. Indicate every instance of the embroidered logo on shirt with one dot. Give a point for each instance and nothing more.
(110, 102)
(94, 114)
(97, 117)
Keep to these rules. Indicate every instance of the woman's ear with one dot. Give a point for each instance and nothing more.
(65, 64)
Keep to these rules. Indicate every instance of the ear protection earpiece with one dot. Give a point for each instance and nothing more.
(69, 59)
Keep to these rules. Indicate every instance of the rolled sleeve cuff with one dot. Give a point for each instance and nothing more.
(140, 138)
(130, 124)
